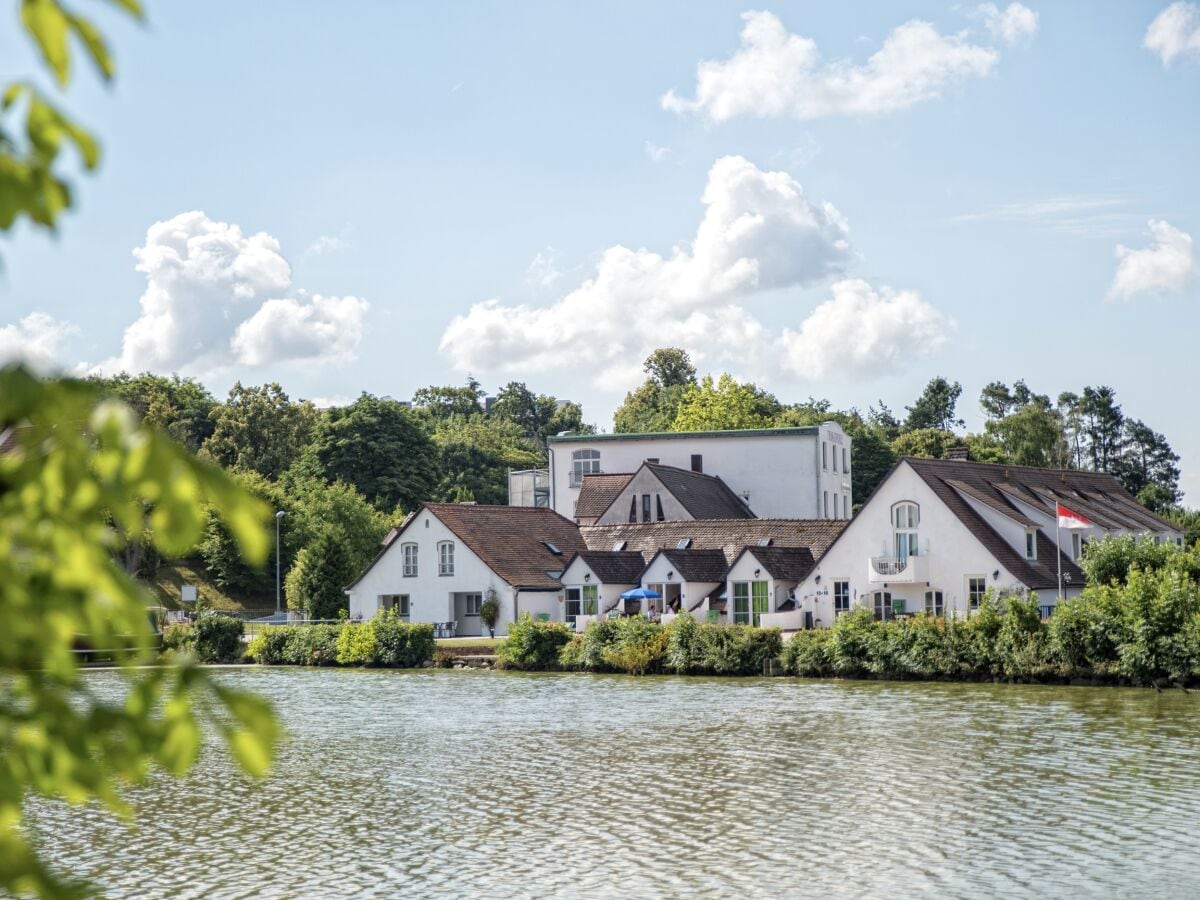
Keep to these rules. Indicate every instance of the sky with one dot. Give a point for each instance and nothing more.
(836, 200)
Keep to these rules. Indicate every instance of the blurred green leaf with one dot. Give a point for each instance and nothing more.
(94, 41)
(47, 24)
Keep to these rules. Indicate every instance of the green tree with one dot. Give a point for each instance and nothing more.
(441, 403)
(317, 582)
(378, 446)
(258, 429)
(654, 405)
(1030, 436)
(725, 404)
(181, 407)
(476, 455)
(539, 416)
(1147, 465)
(1101, 425)
(935, 408)
(928, 443)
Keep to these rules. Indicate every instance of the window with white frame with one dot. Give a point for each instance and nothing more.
(591, 599)
(1076, 545)
(824, 455)
(472, 604)
(835, 450)
(976, 588)
(826, 502)
(841, 597)
(446, 558)
(410, 560)
(905, 519)
(845, 462)
(397, 603)
(584, 462)
(835, 502)
(1031, 543)
(845, 506)
(934, 603)
(884, 611)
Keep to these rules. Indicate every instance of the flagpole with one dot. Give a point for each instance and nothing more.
(1058, 546)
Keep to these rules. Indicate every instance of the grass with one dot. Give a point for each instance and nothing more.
(172, 575)
(471, 643)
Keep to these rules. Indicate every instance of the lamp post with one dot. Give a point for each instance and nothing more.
(278, 517)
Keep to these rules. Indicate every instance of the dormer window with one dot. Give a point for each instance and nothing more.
(584, 462)
(1031, 544)
(906, 517)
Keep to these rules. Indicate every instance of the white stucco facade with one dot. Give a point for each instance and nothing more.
(579, 575)
(434, 597)
(780, 473)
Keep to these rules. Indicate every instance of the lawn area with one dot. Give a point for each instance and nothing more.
(166, 586)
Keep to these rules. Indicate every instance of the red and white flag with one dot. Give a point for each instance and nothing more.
(1070, 519)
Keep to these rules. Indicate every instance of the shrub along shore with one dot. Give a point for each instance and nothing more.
(1137, 623)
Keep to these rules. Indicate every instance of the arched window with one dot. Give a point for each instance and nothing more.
(584, 462)
(883, 605)
(906, 517)
(446, 558)
(934, 604)
(410, 560)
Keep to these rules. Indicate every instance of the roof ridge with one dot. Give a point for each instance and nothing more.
(994, 465)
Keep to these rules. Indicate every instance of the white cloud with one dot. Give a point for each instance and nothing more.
(543, 271)
(1012, 24)
(211, 295)
(656, 153)
(776, 74)
(320, 328)
(35, 340)
(863, 333)
(1174, 32)
(1090, 216)
(1166, 266)
(759, 232)
(327, 243)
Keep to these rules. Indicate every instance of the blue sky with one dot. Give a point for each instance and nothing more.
(953, 208)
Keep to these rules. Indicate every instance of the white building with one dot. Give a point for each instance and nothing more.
(447, 558)
(937, 534)
(799, 473)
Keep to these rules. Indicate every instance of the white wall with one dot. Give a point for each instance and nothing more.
(781, 472)
(953, 554)
(691, 592)
(644, 482)
(431, 596)
(609, 594)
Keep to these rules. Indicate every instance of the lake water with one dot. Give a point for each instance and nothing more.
(395, 784)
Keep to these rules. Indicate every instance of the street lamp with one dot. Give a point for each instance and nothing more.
(278, 516)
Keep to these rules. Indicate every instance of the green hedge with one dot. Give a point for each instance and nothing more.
(212, 638)
(385, 641)
(638, 646)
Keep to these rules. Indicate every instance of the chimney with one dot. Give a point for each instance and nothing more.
(959, 453)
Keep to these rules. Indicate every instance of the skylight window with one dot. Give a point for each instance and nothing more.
(683, 544)
(764, 542)
(552, 548)
(619, 546)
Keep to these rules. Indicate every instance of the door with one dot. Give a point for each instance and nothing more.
(574, 605)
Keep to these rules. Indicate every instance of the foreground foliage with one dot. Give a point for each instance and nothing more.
(84, 479)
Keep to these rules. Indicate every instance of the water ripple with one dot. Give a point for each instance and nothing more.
(479, 784)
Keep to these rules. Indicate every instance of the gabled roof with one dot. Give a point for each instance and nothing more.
(597, 493)
(707, 566)
(729, 536)
(509, 540)
(703, 496)
(783, 563)
(1098, 495)
(612, 566)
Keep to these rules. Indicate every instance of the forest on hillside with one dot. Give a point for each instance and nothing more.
(342, 476)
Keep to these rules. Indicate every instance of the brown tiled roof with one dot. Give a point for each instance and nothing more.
(509, 540)
(729, 536)
(697, 565)
(1097, 495)
(598, 492)
(784, 563)
(613, 567)
(703, 496)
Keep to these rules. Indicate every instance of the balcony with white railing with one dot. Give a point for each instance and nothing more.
(898, 569)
